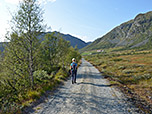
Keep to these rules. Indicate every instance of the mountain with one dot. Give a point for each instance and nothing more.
(136, 33)
(2, 45)
(74, 41)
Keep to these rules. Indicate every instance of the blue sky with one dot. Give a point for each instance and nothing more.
(86, 19)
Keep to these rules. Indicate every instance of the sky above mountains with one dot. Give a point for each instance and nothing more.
(85, 19)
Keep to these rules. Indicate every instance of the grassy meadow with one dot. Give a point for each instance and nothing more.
(127, 69)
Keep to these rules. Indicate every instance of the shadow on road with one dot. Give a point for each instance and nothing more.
(98, 85)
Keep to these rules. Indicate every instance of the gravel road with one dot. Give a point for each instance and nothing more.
(91, 95)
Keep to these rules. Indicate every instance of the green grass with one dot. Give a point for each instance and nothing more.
(89, 52)
(129, 68)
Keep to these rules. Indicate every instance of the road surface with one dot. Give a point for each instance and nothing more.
(91, 95)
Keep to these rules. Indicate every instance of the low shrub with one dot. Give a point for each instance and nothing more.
(117, 59)
(61, 74)
(142, 77)
(33, 94)
(129, 71)
(122, 67)
(41, 76)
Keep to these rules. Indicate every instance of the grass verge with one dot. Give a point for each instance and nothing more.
(131, 71)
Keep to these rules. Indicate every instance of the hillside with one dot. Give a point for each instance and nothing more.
(74, 41)
(132, 34)
(2, 44)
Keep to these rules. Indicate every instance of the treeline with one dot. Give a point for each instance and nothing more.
(29, 65)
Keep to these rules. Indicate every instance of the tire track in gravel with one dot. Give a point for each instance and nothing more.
(91, 95)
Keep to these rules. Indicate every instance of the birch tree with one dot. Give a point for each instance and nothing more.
(27, 24)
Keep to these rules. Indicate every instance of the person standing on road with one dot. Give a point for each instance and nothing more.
(73, 68)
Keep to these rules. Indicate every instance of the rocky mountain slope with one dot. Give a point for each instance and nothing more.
(132, 34)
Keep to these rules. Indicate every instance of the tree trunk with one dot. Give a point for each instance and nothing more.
(31, 65)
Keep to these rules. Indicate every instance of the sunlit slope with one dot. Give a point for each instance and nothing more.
(136, 33)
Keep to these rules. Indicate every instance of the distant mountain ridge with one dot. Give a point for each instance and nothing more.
(132, 34)
(74, 41)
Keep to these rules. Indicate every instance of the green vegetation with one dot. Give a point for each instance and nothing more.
(31, 66)
(128, 69)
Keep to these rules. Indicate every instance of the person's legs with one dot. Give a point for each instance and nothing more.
(75, 76)
(72, 77)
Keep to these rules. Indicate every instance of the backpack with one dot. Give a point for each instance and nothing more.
(74, 68)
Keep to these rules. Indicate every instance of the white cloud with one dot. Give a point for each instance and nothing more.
(13, 1)
(46, 1)
(84, 38)
(40, 1)
(3, 31)
(52, 0)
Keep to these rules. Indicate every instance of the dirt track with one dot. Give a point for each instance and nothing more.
(91, 95)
